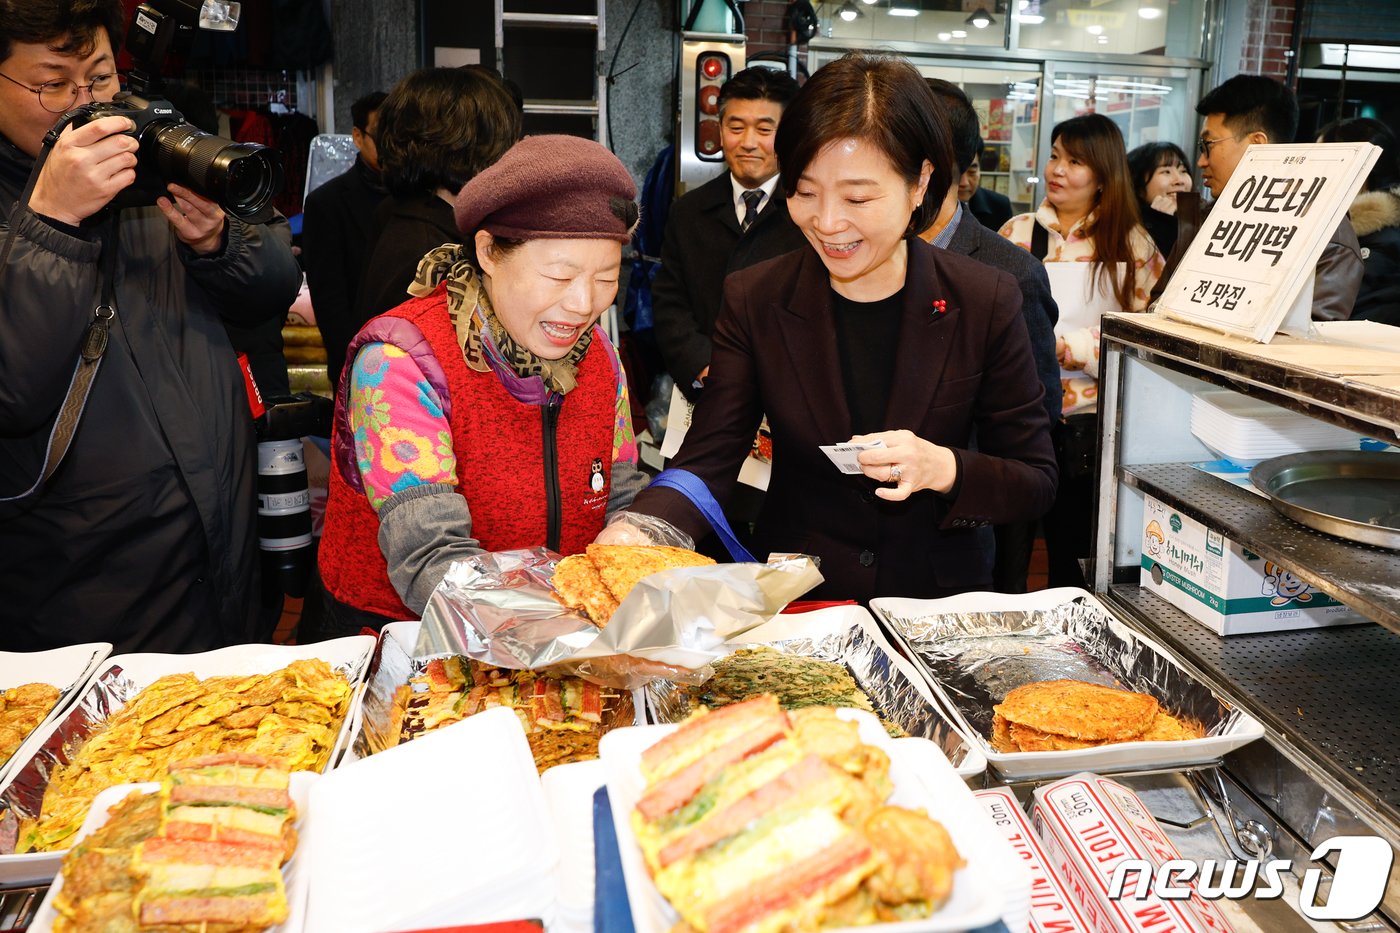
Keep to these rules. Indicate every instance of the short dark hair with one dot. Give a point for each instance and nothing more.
(48, 21)
(1144, 161)
(439, 127)
(1385, 174)
(881, 99)
(759, 83)
(361, 109)
(963, 125)
(1252, 104)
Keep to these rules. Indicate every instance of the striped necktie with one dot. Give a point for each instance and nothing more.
(751, 199)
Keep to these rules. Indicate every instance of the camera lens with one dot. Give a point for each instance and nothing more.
(242, 177)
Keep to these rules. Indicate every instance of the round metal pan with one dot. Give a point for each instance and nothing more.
(1353, 494)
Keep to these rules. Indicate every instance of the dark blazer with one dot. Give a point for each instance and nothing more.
(338, 229)
(409, 227)
(701, 246)
(992, 210)
(964, 370)
(1037, 304)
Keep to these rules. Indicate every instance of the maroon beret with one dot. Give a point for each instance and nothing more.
(550, 187)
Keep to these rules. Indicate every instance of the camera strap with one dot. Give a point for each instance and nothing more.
(94, 345)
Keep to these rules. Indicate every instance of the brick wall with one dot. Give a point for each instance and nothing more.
(1268, 37)
(763, 23)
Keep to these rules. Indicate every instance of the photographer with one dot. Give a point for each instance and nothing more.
(144, 534)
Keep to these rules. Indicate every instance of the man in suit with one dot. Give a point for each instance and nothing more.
(1250, 109)
(338, 229)
(991, 209)
(727, 224)
(954, 230)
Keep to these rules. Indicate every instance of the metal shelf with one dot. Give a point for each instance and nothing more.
(1331, 693)
(1351, 401)
(1365, 578)
(551, 20)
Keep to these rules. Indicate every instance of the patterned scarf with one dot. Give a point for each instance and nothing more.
(469, 308)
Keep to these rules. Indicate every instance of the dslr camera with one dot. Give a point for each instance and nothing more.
(242, 178)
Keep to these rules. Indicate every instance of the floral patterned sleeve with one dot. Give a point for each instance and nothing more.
(624, 439)
(402, 438)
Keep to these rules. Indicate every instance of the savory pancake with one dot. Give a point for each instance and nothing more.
(622, 566)
(1001, 735)
(580, 587)
(1167, 728)
(1026, 739)
(1079, 710)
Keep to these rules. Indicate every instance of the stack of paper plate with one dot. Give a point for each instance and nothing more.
(1245, 429)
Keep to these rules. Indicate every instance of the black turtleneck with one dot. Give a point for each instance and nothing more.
(867, 333)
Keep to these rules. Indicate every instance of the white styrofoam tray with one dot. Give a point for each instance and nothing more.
(821, 623)
(293, 876)
(927, 783)
(1106, 759)
(350, 655)
(68, 669)
(464, 834)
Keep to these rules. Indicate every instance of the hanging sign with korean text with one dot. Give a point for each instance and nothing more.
(1249, 269)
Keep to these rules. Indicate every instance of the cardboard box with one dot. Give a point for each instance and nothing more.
(1223, 586)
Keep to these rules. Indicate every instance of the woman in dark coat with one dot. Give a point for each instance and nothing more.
(872, 336)
(438, 128)
(1160, 171)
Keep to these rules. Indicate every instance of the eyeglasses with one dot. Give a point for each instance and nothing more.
(58, 96)
(1203, 145)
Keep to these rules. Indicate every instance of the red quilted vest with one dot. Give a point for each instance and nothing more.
(503, 464)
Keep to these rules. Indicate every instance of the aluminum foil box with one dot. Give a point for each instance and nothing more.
(1223, 586)
(1090, 826)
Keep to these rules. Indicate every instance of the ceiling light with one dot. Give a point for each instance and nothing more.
(903, 8)
(1030, 19)
(980, 19)
(1149, 12)
(1094, 30)
(959, 33)
(1103, 40)
(848, 12)
(868, 2)
(944, 36)
(1023, 4)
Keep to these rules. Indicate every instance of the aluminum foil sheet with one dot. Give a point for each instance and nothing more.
(977, 658)
(499, 608)
(107, 695)
(893, 695)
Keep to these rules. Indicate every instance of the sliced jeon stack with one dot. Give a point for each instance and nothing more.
(741, 826)
(216, 862)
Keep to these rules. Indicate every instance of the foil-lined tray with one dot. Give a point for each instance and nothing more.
(117, 681)
(975, 648)
(68, 669)
(395, 663)
(847, 635)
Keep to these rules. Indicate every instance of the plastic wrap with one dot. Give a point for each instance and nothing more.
(652, 530)
(499, 608)
(979, 657)
(393, 668)
(895, 697)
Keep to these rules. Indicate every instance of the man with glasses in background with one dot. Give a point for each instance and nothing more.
(143, 533)
(1249, 109)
